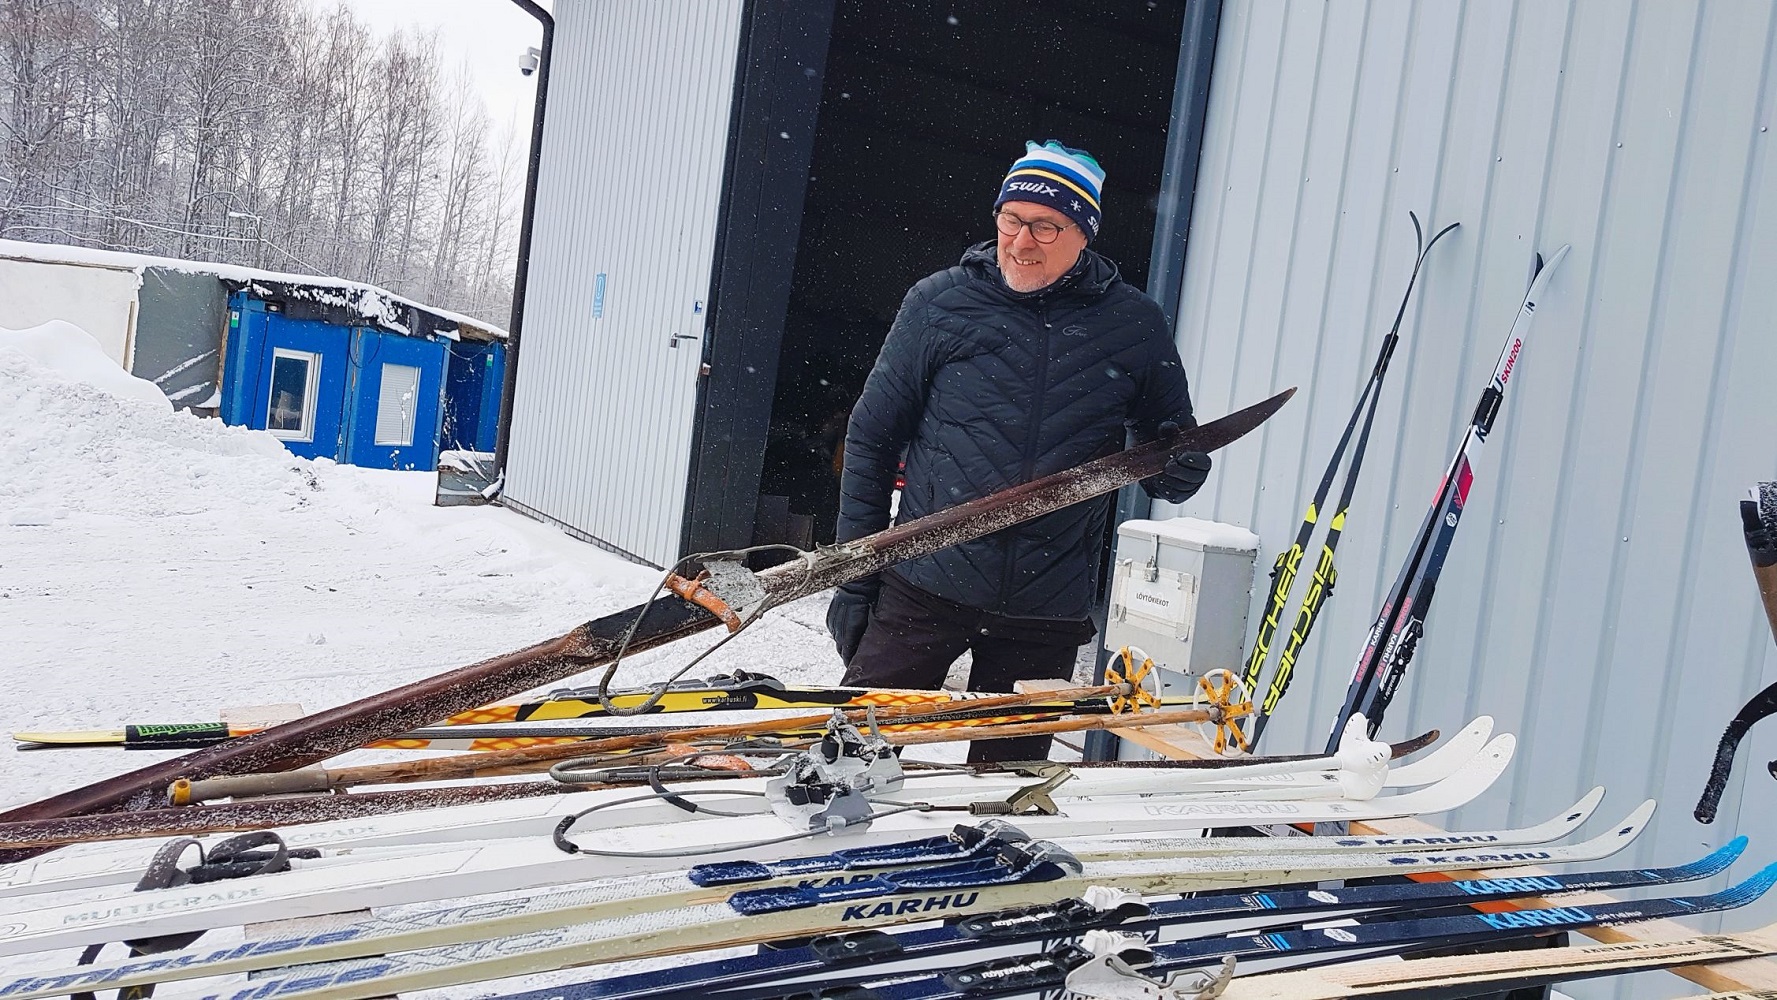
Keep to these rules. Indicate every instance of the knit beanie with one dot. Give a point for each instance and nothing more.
(1067, 180)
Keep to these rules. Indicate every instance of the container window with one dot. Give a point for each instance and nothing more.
(290, 410)
(395, 405)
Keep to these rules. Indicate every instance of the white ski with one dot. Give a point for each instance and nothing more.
(476, 921)
(691, 927)
(632, 851)
(121, 866)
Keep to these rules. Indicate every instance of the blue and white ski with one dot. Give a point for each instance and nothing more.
(1017, 931)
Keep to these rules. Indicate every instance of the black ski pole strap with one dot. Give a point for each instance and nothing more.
(163, 872)
(1762, 704)
(1761, 538)
(261, 852)
(1758, 520)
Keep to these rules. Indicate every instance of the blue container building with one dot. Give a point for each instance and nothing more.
(363, 380)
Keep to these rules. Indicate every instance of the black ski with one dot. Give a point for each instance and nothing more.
(1057, 967)
(1395, 634)
(1284, 570)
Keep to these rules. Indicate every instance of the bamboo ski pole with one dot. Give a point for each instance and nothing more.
(528, 760)
(288, 810)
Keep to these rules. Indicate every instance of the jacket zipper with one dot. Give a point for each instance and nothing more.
(1030, 443)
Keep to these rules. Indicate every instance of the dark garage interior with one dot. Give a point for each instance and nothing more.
(924, 105)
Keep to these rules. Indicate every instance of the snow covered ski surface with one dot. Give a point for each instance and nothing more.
(538, 817)
(479, 921)
(605, 927)
(631, 851)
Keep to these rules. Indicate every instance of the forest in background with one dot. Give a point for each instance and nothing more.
(258, 132)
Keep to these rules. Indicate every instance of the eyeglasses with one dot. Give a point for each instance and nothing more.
(1041, 230)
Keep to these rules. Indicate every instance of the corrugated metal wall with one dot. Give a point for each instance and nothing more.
(1597, 600)
(624, 239)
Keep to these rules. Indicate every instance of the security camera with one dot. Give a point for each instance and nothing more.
(527, 63)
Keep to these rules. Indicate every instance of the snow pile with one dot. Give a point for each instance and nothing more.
(75, 356)
(83, 435)
(160, 567)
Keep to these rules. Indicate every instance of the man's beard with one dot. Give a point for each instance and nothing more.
(1024, 282)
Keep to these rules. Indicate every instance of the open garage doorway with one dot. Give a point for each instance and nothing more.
(923, 107)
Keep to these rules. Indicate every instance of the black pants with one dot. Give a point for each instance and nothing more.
(914, 637)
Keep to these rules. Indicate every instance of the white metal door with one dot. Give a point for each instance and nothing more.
(622, 249)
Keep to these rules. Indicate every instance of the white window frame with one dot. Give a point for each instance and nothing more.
(306, 432)
(409, 414)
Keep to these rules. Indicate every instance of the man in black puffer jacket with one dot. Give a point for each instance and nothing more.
(1029, 357)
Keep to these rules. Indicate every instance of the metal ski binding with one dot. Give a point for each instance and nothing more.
(1110, 973)
(828, 786)
(1031, 800)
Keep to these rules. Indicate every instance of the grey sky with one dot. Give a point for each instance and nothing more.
(488, 36)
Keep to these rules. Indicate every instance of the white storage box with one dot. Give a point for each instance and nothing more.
(1180, 590)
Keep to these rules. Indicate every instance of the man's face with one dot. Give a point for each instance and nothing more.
(1027, 264)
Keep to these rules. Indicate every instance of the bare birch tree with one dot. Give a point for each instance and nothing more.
(255, 131)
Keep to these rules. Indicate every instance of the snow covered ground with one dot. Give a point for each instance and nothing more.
(158, 567)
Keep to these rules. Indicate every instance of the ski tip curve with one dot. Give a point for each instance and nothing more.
(1504, 747)
(1586, 806)
(1637, 821)
(1718, 860)
(1482, 724)
(1232, 426)
(1753, 888)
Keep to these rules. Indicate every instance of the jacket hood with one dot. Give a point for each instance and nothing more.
(1092, 274)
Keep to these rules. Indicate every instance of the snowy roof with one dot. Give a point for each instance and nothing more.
(369, 300)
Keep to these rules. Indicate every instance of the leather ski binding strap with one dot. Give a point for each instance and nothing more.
(695, 591)
(257, 853)
(1098, 907)
(1031, 800)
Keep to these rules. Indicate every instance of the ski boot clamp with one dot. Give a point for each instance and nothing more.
(1102, 965)
(1110, 972)
(829, 786)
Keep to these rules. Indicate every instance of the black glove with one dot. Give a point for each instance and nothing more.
(1183, 476)
(849, 614)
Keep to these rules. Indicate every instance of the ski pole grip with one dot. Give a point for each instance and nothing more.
(246, 786)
